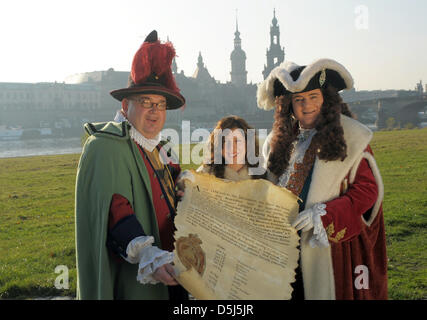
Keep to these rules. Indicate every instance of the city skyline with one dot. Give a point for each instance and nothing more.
(382, 45)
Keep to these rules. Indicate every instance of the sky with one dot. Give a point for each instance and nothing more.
(383, 43)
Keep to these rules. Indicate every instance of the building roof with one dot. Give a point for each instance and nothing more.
(201, 73)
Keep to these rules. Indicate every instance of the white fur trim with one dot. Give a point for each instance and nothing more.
(265, 95)
(316, 263)
(353, 171)
(378, 180)
(357, 137)
(289, 66)
(265, 92)
(380, 185)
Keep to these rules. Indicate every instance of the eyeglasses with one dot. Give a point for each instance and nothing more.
(148, 104)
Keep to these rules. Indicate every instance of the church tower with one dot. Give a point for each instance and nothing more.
(238, 61)
(275, 54)
(201, 73)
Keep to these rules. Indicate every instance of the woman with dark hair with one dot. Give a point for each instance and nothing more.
(229, 146)
(320, 153)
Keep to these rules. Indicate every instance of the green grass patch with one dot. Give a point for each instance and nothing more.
(36, 224)
(402, 159)
(37, 218)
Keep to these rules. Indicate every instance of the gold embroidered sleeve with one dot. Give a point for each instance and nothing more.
(330, 230)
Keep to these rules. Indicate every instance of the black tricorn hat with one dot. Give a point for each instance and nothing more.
(151, 73)
(291, 78)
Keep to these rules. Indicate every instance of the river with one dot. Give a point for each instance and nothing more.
(51, 146)
(38, 147)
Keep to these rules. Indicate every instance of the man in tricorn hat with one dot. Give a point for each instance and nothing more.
(320, 153)
(125, 198)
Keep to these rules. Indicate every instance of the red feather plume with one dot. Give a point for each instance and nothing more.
(154, 57)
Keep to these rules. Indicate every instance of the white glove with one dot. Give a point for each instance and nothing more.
(186, 174)
(310, 218)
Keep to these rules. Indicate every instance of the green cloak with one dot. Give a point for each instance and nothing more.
(110, 163)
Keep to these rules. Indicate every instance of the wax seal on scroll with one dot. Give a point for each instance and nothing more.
(190, 253)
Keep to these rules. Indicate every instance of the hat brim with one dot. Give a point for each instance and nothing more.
(336, 74)
(174, 100)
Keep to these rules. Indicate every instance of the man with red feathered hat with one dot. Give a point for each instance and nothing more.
(125, 198)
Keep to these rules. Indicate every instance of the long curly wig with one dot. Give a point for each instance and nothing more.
(329, 139)
(230, 122)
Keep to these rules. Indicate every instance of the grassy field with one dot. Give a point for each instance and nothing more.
(37, 218)
(402, 159)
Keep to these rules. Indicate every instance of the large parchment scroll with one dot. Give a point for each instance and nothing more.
(234, 239)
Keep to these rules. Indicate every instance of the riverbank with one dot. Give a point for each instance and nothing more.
(39, 147)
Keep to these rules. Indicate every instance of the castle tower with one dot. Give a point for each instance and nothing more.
(419, 88)
(201, 73)
(275, 54)
(238, 61)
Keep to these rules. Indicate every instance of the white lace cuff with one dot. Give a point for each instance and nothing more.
(136, 246)
(319, 238)
(152, 258)
(140, 250)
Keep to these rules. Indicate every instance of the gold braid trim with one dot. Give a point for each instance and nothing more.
(330, 230)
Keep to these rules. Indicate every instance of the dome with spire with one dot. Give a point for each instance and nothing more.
(237, 53)
(274, 21)
(238, 61)
(201, 73)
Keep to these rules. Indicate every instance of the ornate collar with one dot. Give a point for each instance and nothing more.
(144, 142)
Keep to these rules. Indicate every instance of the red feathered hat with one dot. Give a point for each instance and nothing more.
(152, 73)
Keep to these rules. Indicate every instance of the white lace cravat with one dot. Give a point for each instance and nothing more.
(144, 142)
